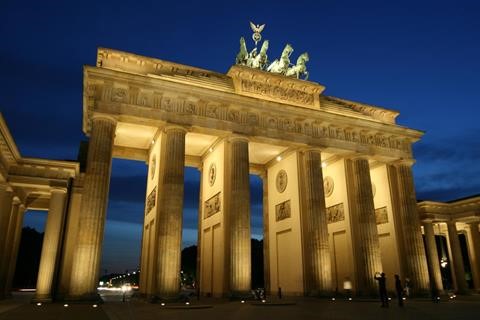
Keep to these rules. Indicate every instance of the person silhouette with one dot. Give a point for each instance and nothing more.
(382, 287)
(399, 290)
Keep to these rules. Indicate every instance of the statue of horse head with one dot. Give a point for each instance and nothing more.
(287, 51)
(242, 55)
(303, 58)
(264, 48)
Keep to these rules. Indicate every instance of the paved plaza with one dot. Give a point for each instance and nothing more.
(460, 308)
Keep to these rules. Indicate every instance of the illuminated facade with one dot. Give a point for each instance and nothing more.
(339, 200)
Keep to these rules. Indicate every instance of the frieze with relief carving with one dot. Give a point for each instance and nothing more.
(283, 211)
(242, 116)
(335, 213)
(212, 206)
(151, 201)
(381, 215)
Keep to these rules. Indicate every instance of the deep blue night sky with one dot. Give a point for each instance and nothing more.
(418, 57)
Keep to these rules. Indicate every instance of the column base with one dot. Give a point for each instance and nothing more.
(320, 294)
(42, 299)
(239, 295)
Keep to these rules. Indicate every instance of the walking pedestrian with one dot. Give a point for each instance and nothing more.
(382, 287)
(399, 290)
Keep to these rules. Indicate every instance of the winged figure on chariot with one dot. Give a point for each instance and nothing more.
(259, 59)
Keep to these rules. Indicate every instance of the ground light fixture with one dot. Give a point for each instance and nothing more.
(66, 305)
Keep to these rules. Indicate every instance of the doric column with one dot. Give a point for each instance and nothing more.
(6, 198)
(474, 253)
(237, 215)
(51, 245)
(266, 242)
(199, 232)
(458, 268)
(364, 228)
(318, 273)
(170, 210)
(432, 256)
(86, 261)
(412, 250)
(7, 245)
(17, 237)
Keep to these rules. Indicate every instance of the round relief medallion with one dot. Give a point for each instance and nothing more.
(374, 189)
(281, 181)
(153, 164)
(212, 174)
(328, 186)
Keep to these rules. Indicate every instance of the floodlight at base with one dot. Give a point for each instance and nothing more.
(349, 299)
(187, 303)
(162, 304)
(333, 299)
(263, 301)
(65, 305)
(95, 305)
(39, 304)
(243, 301)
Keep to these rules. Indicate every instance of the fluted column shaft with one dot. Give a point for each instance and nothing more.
(432, 257)
(170, 210)
(474, 246)
(266, 236)
(458, 267)
(318, 273)
(17, 237)
(237, 199)
(86, 261)
(364, 228)
(7, 246)
(199, 232)
(51, 245)
(413, 255)
(6, 198)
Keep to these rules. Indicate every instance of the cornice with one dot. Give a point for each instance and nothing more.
(8, 147)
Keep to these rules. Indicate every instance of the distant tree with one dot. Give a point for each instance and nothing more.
(28, 260)
(189, 265)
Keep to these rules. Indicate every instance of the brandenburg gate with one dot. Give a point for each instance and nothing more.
(339, 198)
(338, 193)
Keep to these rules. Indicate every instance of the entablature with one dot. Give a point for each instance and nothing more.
(148, 101)
(466, 210)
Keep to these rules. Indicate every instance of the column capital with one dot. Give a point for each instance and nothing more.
(357, 156)
(310, 149)
(16, 200)
(58, 190)
(101, 116)
(451, 222)
(237, 137)
(174, 127)
(402, 162)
